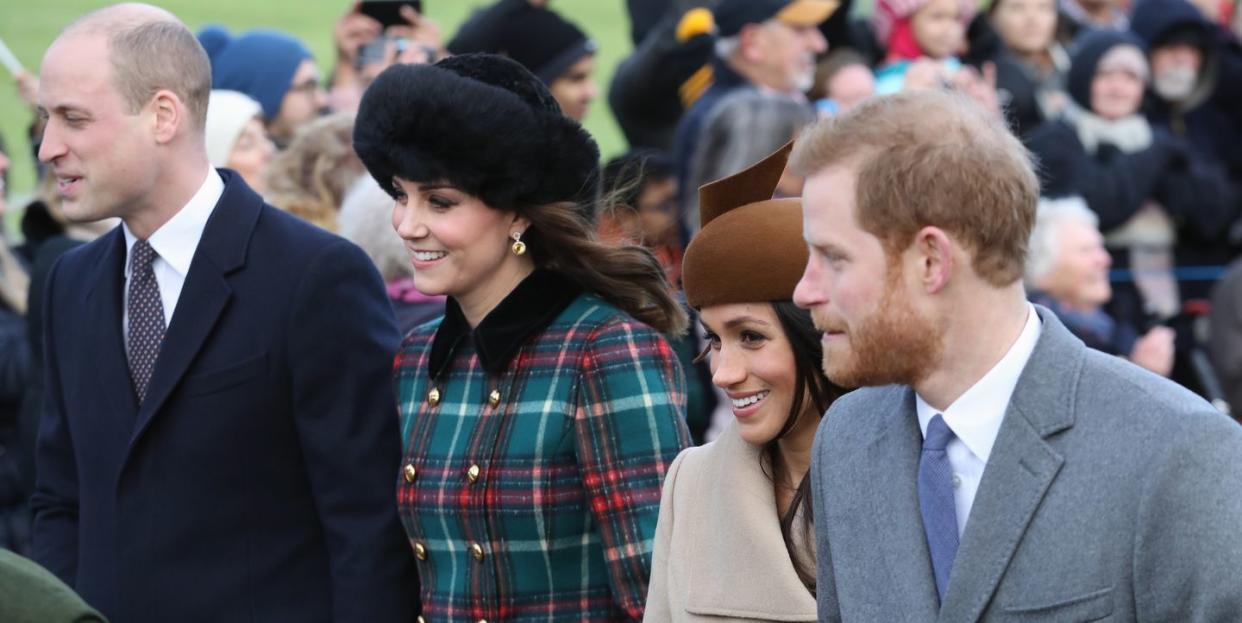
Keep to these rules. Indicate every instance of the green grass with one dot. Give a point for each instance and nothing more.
(29, 26)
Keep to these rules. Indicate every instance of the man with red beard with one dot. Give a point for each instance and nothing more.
(993, 467)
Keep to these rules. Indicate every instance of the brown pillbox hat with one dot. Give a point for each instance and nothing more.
(750, 248)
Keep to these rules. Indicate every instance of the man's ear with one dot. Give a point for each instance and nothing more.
(935, 254)
(749, 41)
(169, 115)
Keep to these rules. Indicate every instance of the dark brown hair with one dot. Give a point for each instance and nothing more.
(808, 351)
(561, 238)
(932, 158)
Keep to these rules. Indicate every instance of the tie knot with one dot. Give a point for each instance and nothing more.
(938, 434)
(142, 255)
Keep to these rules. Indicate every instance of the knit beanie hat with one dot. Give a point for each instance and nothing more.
(480, 122)
(1089, 49)
(750, 248)
(538, 38)
(259, 63)
(228, 112)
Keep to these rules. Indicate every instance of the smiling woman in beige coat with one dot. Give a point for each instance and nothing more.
(734, 540)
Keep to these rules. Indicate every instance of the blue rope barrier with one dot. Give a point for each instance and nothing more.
(1184, 273)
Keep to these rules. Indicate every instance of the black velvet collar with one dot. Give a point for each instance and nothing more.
(528, 309)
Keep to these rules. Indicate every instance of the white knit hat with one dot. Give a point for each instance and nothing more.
(228, 112)
(1125, 58)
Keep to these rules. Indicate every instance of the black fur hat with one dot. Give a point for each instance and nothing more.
(480, 122)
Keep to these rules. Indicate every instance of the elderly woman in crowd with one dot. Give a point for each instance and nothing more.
(1138, 180)
(540, 414)
(735, 536)
(236, 138)
(1067, 272)
(309, 178)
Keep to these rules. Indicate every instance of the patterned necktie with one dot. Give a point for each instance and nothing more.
(146, 317)
(936, 502)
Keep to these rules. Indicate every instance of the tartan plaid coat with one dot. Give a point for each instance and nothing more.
(535, 447)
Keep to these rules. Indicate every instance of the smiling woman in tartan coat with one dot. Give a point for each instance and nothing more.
(540, 414)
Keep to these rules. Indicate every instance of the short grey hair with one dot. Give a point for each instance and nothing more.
(150, 50)
(1045, 244)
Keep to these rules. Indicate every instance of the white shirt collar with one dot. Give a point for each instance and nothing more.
(976, 416)
(176, 240)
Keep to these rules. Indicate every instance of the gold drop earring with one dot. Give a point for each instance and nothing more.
(519, 247)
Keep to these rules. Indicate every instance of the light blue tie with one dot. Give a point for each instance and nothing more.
(936, 502)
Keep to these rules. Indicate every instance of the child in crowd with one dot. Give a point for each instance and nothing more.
(917, 31)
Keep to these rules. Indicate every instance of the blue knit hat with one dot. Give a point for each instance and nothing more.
(259, 63)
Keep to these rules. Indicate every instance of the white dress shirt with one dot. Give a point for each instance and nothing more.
(174, 244)
(975, 418)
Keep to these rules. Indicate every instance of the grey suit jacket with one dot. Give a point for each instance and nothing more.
(1111, 495)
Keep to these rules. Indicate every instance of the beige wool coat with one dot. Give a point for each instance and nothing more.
(719, 555)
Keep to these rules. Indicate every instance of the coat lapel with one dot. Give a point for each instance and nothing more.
(107, 344)
(745, 530)
(1014, 483)
(1022, 467)
(893, 460)
(206, 293)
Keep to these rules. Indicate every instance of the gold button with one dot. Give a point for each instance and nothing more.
(433, 396)
(420, 551)
(476, 550)
(472, 474)
(410, 472)
(421, 619)
(494, 397)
